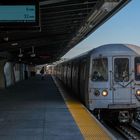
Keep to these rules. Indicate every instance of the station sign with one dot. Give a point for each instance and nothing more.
(19, 14)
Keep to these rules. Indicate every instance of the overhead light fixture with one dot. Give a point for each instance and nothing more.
(108, 6)
(33, 52)
(80, 14)
(90, 26)
(32, 55)
(20, 53)
(14, 44)
(6, 39)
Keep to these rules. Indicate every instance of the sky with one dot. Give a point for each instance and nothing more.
(123, 27)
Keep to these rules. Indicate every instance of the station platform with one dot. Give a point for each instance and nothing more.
(34, 109)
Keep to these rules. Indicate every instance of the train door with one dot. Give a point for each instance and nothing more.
(122, 84)
(83, 79)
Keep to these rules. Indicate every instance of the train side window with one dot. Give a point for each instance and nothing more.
(121, 69)
(137, 68)
(99, 69)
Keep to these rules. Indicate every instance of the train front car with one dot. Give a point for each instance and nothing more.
(114, 83)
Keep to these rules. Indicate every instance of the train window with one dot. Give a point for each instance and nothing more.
(137, 68)
(100, 69)
(121, 69)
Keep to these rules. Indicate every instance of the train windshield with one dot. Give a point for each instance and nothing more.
(100, 69)
(137, 68)
(121, 69)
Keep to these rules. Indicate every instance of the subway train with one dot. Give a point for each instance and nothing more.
(106, 79)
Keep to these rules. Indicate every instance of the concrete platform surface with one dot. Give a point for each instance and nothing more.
(35, 110)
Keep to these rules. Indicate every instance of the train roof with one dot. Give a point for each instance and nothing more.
(117, 49)
(110, 49)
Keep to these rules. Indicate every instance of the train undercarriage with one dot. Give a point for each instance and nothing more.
(115, 115)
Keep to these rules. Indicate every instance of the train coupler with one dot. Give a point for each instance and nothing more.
(124, 117)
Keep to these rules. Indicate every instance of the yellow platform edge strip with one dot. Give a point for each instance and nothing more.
(90, 128)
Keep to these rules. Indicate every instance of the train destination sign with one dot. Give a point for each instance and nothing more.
(19, 14)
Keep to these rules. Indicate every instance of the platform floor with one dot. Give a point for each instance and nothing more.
(89, 126)
(35, 110)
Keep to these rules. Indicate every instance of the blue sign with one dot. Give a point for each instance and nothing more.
(18, 13)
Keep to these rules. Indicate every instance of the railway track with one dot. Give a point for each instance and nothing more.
(136, 125)
(130, 132)
(124, 131)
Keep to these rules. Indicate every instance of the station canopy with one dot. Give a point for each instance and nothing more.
(62, 25)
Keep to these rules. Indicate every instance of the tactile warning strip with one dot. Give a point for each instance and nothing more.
(88, 125)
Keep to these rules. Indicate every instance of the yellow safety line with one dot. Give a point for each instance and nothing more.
(89, 127)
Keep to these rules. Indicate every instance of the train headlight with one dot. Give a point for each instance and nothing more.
(96, 92)
(138, 92)
(104, 92)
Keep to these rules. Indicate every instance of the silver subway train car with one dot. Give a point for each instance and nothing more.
(106, 79)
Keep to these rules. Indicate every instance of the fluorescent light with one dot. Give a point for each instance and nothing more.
(14, 44)
(20, 53)
(33, 55)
